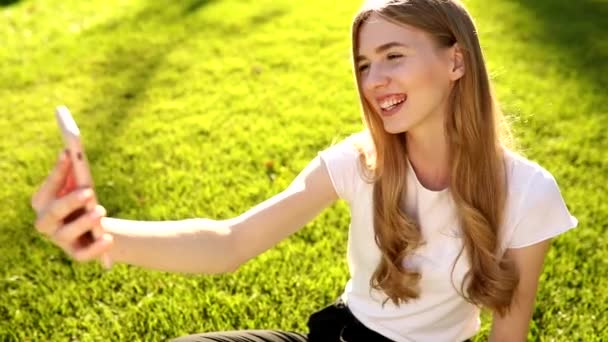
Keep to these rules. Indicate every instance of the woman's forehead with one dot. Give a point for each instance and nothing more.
(377, 31)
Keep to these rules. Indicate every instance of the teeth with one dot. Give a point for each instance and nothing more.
(392, 101)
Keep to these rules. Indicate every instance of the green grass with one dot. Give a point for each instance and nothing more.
(181, 105)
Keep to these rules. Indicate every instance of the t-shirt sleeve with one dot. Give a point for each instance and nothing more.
(543, 212)
(341, 162)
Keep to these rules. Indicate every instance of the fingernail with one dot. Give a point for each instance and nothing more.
(97, 212)
(86, 194)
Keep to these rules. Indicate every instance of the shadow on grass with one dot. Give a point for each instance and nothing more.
(135, 59)
(5, 3)
(195, 5)
(577, 29)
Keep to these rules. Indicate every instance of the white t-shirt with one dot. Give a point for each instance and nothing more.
(534, 211)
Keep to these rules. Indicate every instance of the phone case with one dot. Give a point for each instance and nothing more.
(82, 173)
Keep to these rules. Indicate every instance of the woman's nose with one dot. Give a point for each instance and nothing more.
(376, 78)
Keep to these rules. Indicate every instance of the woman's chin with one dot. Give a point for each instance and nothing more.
(394, 129)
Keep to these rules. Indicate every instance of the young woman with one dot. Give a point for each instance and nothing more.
(445, 218)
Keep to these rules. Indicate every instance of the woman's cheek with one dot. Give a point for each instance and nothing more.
(413, 74)
(424, 74)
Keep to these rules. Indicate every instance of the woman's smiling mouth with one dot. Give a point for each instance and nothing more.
(391, 104)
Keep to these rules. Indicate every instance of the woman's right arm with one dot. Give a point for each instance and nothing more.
(192, 245)
(211, 246)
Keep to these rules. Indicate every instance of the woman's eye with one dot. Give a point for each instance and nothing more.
(363, 67)
(394, 56)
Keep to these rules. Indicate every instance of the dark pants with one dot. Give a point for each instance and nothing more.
(245, 336)
(332, 323)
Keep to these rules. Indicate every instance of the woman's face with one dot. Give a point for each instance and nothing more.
(404, 76)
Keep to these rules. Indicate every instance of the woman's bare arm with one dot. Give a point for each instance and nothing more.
(266, 224)
(188, 246)
(515, 325)
(212, 246)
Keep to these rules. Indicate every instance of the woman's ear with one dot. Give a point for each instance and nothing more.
(457, 67)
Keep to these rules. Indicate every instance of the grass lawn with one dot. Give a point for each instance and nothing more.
(182, 105)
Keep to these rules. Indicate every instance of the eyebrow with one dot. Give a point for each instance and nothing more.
(383, 48)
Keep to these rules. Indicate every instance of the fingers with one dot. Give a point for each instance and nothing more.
(76, 238)
(52, 217)
(94, 250)
(69, 216)
(52, 184)
(68, 234)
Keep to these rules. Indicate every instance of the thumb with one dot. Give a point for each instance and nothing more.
(53, 182)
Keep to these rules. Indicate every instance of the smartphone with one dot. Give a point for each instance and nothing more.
(73, 144)
(81, 171)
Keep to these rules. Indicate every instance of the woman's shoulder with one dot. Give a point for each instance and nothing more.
(531, 189)
(535, 207)
(343, 160)
(524, 174)
(352, 147)
(361, 139)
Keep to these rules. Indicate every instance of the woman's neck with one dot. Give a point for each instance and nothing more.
(428, 154)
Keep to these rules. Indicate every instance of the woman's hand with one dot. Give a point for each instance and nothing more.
(67, 215)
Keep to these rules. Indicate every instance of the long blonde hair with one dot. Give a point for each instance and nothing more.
(474, 129)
